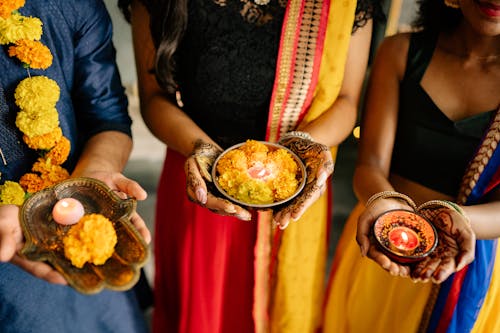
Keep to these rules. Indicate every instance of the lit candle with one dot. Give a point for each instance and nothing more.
(68, 211)
(259, 170)
(403, 240)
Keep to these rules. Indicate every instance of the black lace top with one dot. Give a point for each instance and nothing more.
(225, 65)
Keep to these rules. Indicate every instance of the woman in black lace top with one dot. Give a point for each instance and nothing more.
(213, 73)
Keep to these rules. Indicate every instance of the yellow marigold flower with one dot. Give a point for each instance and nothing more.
(60, 152)
(8, 6)
(37, 123)
(37, 92)
(44, 142)
(32, 53)
(32, 182)
(18, 27)
(11, 193)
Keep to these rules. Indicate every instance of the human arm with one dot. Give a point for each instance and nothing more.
(171, 125)
(329, 129)
(456, 239)
(100, 109)
(374, 155)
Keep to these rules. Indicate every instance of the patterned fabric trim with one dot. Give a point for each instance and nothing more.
(298, 64)
(483, 156)
(445, 301)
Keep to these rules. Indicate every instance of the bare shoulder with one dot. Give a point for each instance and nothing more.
(393, 51)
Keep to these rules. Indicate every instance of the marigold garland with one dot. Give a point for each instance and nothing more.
(7, 7)
(36, 98)
(18, 27)
(32, 53)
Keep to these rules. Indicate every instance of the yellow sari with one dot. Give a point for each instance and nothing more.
(290, 264)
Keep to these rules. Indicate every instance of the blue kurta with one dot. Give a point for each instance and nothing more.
(78, 33)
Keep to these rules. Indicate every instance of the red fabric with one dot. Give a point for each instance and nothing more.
(451, 301)
(495, 181)
(204, 273)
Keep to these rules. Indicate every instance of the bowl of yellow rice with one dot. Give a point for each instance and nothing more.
(259, 174)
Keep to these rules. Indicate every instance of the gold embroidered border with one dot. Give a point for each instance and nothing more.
(483, 155)
(285, 110)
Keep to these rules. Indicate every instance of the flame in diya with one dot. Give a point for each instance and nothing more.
(405, 236)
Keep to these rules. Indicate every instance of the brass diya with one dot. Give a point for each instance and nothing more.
(44, 237)
(301, 177)
(405, 236)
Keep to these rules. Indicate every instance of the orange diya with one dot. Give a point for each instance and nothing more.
(404, 236)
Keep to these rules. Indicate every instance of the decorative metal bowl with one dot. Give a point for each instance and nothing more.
(419, 234)
(301, 177)
(44, 237)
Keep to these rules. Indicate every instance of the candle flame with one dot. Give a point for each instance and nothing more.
(64, 203)
(404, 236)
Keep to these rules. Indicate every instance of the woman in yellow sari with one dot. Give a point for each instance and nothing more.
(431, 132)
(213, 73)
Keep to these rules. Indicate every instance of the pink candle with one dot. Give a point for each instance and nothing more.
(68, 211)
(403, 239)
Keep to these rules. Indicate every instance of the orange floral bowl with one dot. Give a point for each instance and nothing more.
(259, 174)
(405, 236)
(45, 237)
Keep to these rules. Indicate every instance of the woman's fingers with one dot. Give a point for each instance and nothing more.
(195, 185)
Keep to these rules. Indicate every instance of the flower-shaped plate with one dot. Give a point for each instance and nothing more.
(44, 236)
(301, 177)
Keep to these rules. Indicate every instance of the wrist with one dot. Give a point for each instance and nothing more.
(392, 195)
(446, 204)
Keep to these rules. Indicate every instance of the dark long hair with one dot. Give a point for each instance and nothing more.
(168, 21)
(434, 15)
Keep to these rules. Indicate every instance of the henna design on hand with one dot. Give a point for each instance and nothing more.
(442, 262)
(205, 155)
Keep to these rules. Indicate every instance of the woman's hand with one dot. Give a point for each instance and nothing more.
(12, 240)
(198, 168)
(456, 246)
(319, 166)
(365, 239)
(456, 241)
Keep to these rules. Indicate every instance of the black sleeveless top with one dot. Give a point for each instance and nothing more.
(429, 148)
(226, 64)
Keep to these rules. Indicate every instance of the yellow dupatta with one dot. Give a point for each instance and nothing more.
(290, 264)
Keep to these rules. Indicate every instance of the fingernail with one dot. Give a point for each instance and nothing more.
(283, 227)
(245, 217)
(322, 179)
(230, 209)
(201, 195)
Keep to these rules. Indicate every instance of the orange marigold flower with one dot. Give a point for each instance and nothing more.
(50, 173)
(45, 141)
(31, 182)
(8, 6)
(32, 53)
(60, 152)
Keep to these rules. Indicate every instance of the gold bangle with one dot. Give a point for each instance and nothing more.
(296, 134)
(445, 204)
(391, 194)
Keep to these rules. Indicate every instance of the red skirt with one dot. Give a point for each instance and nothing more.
(204, 262)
